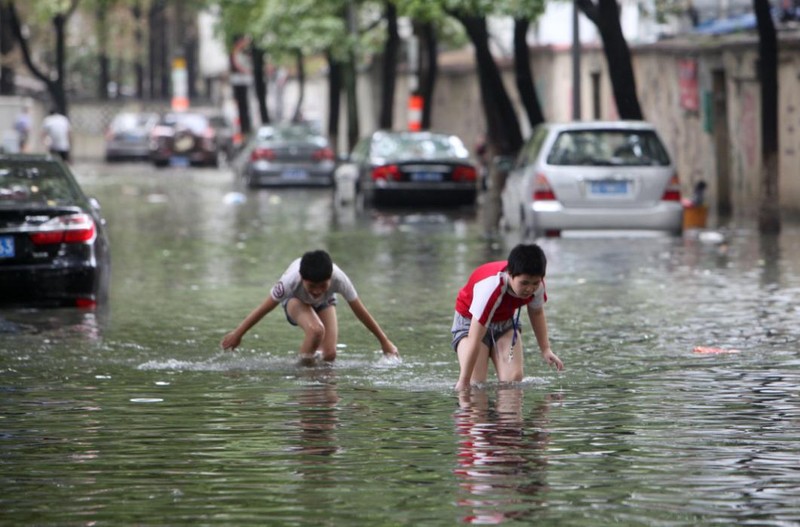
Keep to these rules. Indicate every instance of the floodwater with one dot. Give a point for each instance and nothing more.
(135, 416)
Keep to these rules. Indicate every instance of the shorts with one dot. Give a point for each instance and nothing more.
(495, 330)
(330, 302)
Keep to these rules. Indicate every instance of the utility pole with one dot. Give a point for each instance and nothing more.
(576, 63)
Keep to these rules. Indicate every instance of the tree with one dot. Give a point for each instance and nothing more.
(58, 18)
(605, 15)
(769, 211)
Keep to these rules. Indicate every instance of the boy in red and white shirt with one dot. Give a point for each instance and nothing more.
(485, 325)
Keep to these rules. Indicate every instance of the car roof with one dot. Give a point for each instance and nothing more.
(29, 157)
(600, 125)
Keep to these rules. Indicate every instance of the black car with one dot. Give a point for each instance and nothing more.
(53, 244)
(411, 168)
(186, 138)
(286, 155)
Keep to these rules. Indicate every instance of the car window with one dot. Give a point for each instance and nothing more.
(36, 183)
(608, 147)
(530, 151)
(130, 121)
(298, 132)
(426, 146)
(195, 122)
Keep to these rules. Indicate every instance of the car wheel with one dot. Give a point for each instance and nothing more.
(160, 163)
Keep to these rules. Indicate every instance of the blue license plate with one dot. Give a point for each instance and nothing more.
(7, 247)
(178, 161)
(426, 176)
(294, 174)
(608, 188)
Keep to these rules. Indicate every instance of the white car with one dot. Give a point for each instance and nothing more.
(594, 175)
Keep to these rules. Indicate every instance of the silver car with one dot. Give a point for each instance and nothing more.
(128, 136)
(614, 175)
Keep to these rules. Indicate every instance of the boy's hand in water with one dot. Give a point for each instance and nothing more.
(231, 341)
(552, 359)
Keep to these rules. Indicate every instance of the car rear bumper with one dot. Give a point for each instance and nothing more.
(35, 285)
(299, 176)
(552, 216)
(414, 193)
(127, 151)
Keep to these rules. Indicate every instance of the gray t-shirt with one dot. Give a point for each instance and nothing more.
(290, 285)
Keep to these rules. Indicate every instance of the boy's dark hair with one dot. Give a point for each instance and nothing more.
(527, 259)
(316, 266)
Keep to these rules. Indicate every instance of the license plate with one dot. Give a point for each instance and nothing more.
(294, 174)
(179, 161)
(608, 188)
(7, 247)
(426, 176)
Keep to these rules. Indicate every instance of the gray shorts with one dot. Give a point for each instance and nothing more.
(330, 302)
(494, 331)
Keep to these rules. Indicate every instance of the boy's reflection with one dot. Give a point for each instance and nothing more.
(501, 465)
(318, 413)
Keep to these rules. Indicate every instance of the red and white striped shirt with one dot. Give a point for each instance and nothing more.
(488, 296)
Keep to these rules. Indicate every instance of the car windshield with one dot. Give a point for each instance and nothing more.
(195, 122)
(39, 183)
(130, 121)
(418, 146)
(608, 147)
(293, 133)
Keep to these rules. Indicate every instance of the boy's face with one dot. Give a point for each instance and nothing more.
(316, 288)
(524, 285)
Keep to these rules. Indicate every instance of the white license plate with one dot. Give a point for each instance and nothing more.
(7, 247)
(426, 176)
(608, 188)
(294, 174)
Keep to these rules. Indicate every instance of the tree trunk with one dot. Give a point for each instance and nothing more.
(260, 83)
(605, 15)
(389, 73)
(7, 85)
(301, 86)
(524, 74)
(428, 68)
(334, 99)
(138, 67)
(503, 137)
(769, 221)
(102, 39)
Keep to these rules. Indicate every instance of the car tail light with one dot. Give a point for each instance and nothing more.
(673, 190)
(542, 191)
(387, 172)
(323, 154)
(209, 133)
(262, 153)
(74, 228)
(465, 173)
(85, 303)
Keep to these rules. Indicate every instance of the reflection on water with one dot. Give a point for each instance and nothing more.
(136, 416)
(502, 460)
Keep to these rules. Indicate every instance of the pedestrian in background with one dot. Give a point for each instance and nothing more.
(484, 326)
(22, 125)
(57, 134)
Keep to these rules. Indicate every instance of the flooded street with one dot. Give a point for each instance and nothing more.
(135, 416)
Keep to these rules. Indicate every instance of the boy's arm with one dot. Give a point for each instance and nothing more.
(539, 325)
(361, 313)
(234, 338)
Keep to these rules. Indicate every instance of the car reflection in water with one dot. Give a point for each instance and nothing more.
(495, 451)
(53, 244)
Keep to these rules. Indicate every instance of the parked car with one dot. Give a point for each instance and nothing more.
(413, 168)
(128, 136)
(183, 138)
(286, 154)
(226, 134)
(53, 244)
(614, 175)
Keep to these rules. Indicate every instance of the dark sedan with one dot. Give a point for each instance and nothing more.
(411, 168)
(184, 138)
(53, 245)
(286, 155)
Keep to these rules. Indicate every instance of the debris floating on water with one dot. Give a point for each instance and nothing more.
(709, 350)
